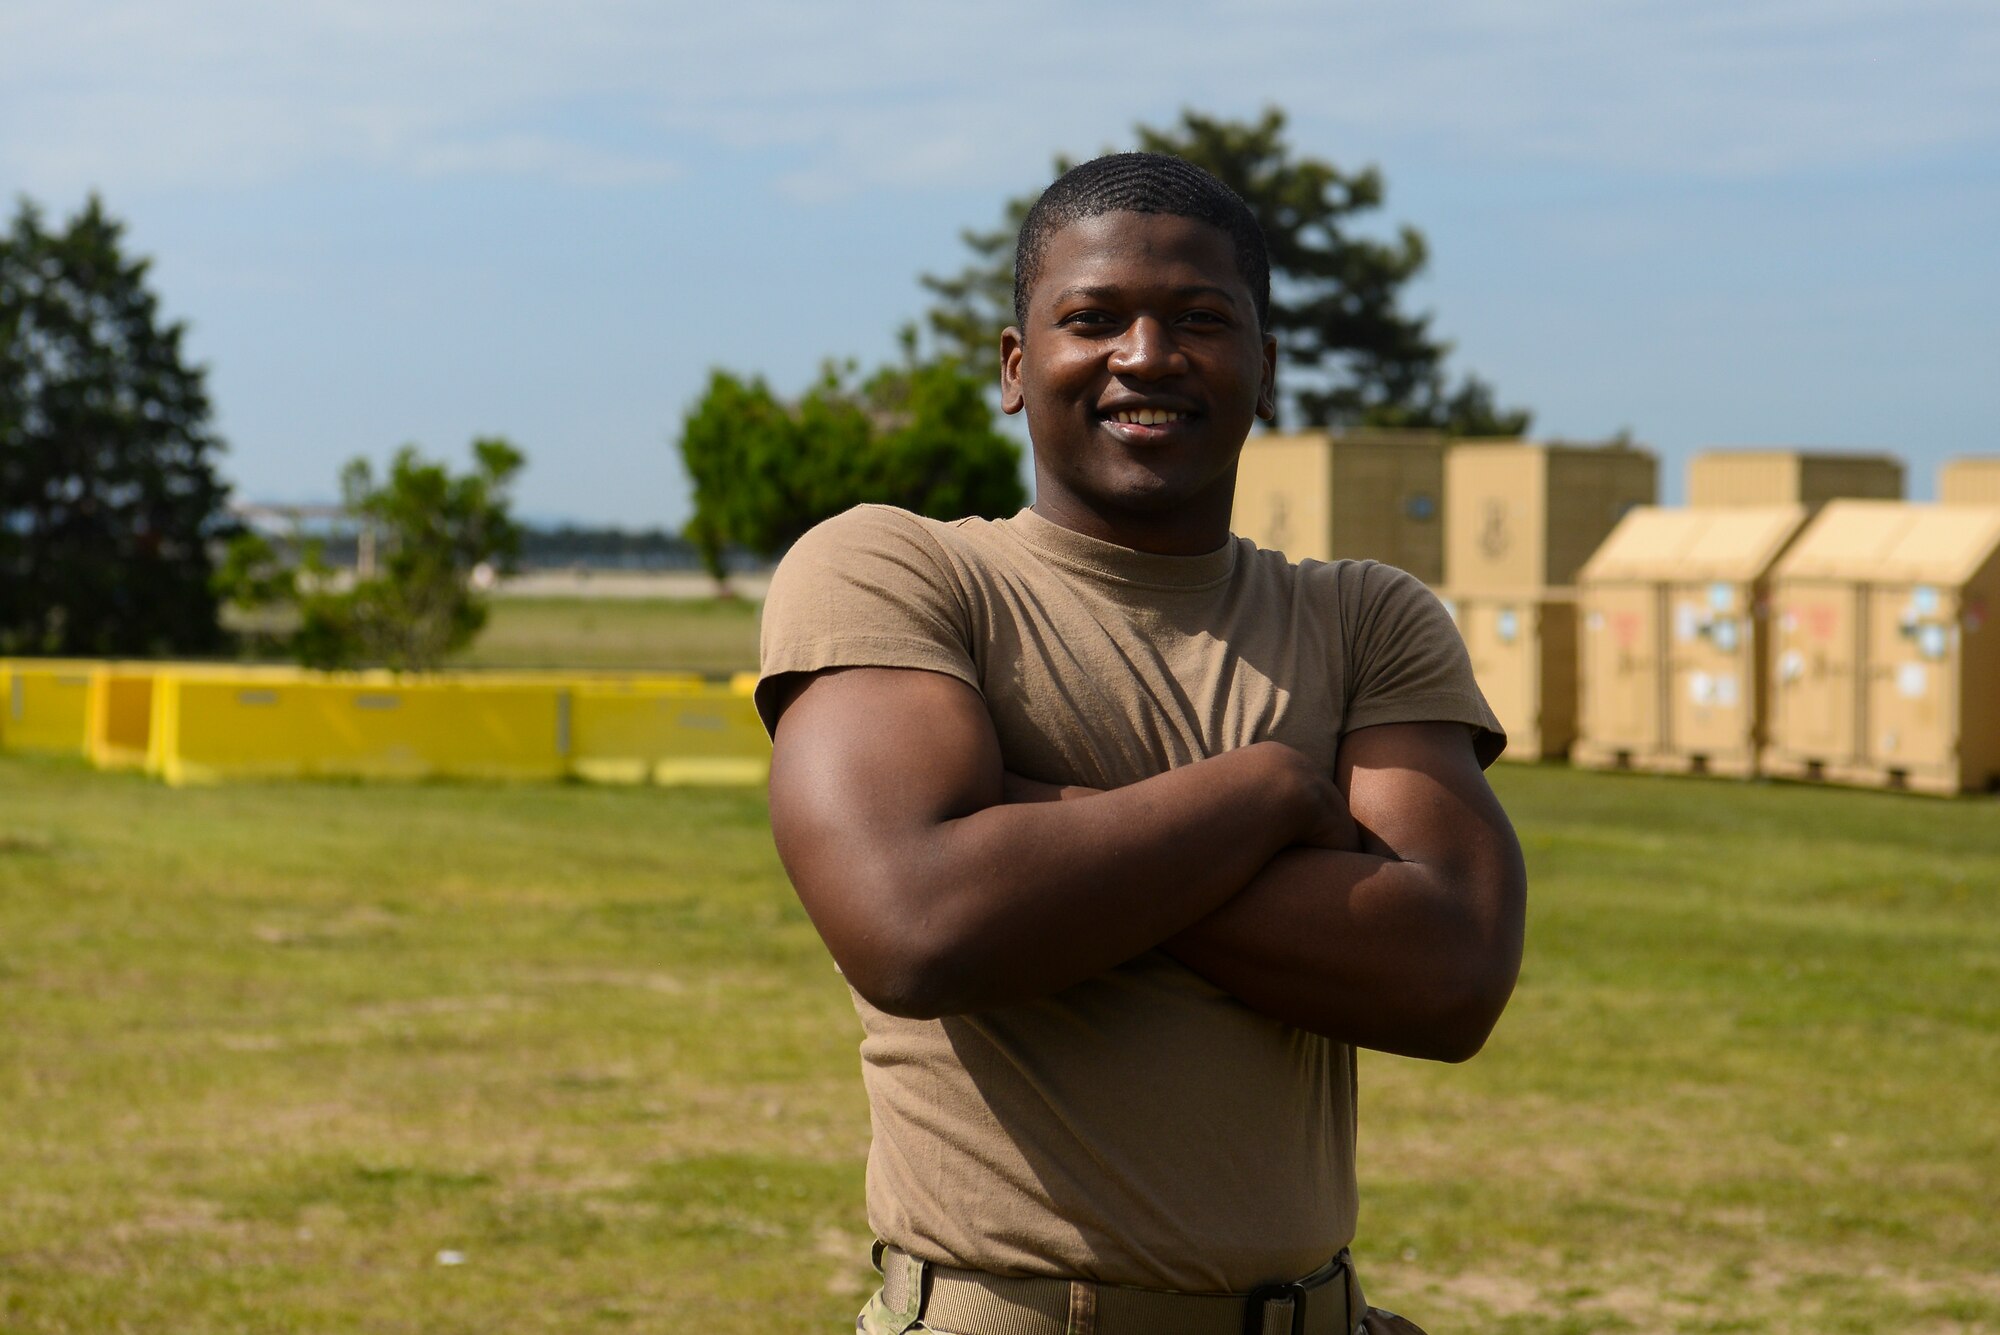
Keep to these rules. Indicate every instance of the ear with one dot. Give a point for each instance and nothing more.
(1011, 399)
(1267, 391)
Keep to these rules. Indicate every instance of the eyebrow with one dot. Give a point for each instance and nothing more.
(1099, 293)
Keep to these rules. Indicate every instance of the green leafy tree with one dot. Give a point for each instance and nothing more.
(1352, 355)
(432, 531)
(109, 495)
(919, 435)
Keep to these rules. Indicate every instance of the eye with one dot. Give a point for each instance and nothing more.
(1087, 319)
(1204, 316)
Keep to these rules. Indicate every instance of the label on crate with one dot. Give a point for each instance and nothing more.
(1726, 691)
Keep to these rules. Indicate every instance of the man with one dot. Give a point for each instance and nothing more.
(1125, 833)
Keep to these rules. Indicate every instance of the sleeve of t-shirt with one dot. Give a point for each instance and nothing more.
(1407, 662)
(868, 588)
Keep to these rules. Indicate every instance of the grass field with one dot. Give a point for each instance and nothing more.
(473, 1059)
(697, 635)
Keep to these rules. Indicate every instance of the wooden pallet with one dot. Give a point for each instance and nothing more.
(1930, 780)
(1599, 755)
(1726, 767)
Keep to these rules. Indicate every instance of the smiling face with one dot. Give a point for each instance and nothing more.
(1141, 369)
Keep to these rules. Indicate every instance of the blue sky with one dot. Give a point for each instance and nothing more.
(1711, 223)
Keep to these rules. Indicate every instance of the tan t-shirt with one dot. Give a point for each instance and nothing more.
(1142, 1127)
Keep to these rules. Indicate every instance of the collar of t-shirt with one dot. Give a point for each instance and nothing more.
(1111, 564)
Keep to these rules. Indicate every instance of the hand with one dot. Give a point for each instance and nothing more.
(1409, 944)
(1324, 820)
(889, 804)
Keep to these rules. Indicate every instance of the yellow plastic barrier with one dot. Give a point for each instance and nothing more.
(608, 678)
(165, 703)
(119, 715)
(207, 723)
(45, 705)
(667, 734)
(210, 726)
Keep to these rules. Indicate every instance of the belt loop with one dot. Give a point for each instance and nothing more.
(903, 1292)
(1357, 1302)
(1275, 1309)
(1082, 1309)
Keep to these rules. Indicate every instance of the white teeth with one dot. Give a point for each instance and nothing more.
(1146, 416)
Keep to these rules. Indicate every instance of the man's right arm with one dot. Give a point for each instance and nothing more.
(937, 896)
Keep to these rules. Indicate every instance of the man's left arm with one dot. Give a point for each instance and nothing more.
(1411, 943)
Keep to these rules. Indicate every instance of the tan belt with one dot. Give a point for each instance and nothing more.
(970, 1302)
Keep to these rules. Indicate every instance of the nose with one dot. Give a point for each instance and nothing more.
(1147, 350)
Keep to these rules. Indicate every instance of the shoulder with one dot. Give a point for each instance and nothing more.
(866, 527)
(875, 528)
(1345, 595)
(1396, 652)
(1367, 592)
(875, 544)
(1359, 590)
(872, 587)
(1407, 660)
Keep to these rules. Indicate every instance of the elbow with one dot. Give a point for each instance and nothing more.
(911, 984)
(901, 955)
(1469, 1018)
(897, 984)
(1477, 975)
(1456, 1039)
(1463, 1014)
(910, 965)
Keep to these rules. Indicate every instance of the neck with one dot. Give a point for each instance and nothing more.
(1194, 529)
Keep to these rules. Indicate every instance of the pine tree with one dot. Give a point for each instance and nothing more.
(108, 490)
(1352, 356)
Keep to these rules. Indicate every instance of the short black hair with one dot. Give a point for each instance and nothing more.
(1141, 183)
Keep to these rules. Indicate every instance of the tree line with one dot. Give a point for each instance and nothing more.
(115, 534)
(765, 470)
(116, 539)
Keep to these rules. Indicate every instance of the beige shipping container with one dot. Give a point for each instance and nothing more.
(1675, 641)
(1320, 496)
(1886, 669)
(1791, 477)
(1974, 480)
(1523, 651)
(1522, 517)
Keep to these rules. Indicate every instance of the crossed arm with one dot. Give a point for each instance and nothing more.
(1381, 905)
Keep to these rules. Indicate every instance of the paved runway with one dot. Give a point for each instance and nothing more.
(584, 583)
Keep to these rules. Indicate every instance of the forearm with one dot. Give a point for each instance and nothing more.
(1404, 957)
(1012, 901)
